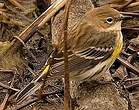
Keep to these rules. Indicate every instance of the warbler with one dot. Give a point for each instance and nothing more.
(93, 44)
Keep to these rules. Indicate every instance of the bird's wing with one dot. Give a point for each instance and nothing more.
(76, 64)
(95, 53)
(88, 53)
(90, 40)
(93, 44)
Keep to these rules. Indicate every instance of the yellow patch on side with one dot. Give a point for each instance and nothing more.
(118, 47)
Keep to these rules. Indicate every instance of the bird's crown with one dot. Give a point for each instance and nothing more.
(104, 17)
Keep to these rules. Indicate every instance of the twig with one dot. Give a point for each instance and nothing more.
(122, 80)
(130, 13)
(67, 101)
(132, 26)
(36, 98)
(27, 103)
(129, 66)
(31, 88)
(40, 21)
(133, 4)
(132, 29)
(59, 98)
(125, 69)
(6, 71)
(126, 4)
(132, 79)
(133, 85)
(8, 87)
(3, 105)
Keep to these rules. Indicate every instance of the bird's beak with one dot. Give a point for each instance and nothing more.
(125, 17)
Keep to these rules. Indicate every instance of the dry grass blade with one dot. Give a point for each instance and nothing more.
(132, 79)
(4, 103)
(133, 4)
(126, 4)
(130, 13)
(31, 88)
(14, 2)
(8, 87)
(129, 66)
(67, 101)
(26, 103)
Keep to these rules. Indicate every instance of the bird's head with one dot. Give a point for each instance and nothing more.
(106, 18)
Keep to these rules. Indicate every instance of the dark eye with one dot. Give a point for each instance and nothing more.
(109, 20)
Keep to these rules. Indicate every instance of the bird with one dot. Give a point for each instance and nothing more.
(93, 44)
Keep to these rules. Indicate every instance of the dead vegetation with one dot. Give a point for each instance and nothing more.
(25, 45)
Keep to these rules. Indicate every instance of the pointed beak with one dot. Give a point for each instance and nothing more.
(125, 17)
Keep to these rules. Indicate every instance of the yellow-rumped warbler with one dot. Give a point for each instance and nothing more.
(94, 43)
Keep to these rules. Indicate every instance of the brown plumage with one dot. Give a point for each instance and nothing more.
(94, 43)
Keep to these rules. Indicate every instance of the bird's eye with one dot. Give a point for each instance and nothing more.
(109, 20)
